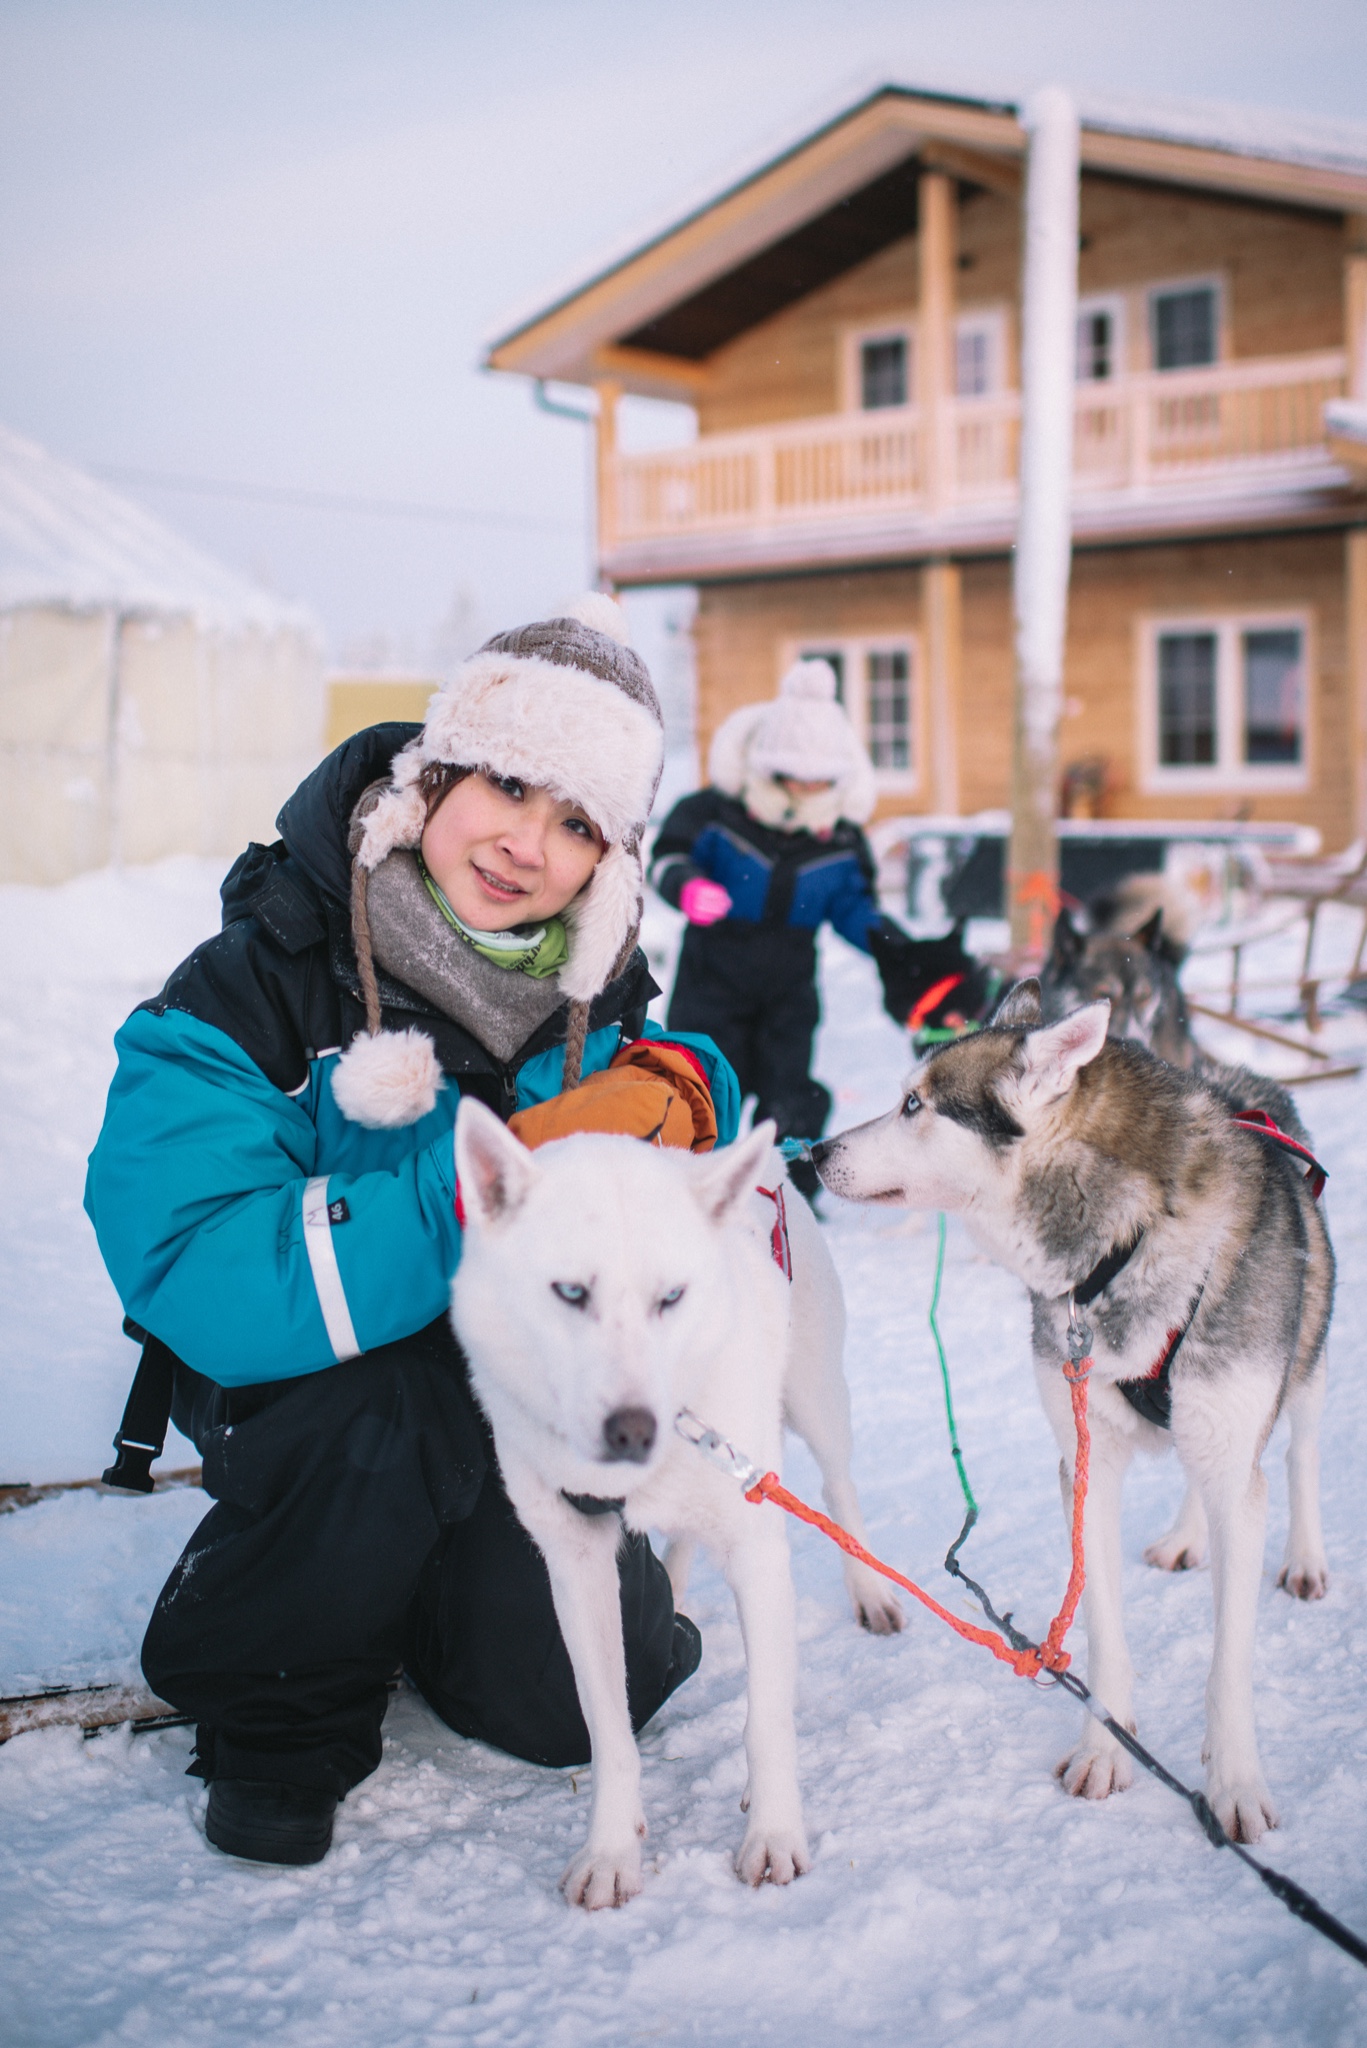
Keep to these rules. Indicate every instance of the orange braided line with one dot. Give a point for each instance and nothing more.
(1025, 1663)
(1077, 1576)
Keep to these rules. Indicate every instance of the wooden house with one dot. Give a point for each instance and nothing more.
(845, 322)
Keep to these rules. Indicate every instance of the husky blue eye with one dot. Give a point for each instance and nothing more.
(571, 1291)
(674, 1295)
(912, 1104)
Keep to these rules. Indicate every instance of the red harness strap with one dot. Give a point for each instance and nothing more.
(1260, 1123)
(780, 1251)
(928, 1003)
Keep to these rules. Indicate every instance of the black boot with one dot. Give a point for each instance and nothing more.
(269, 1823)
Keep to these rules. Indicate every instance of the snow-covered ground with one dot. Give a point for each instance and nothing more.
(957, 1895)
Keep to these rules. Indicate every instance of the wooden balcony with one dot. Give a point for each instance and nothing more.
(1237, 444)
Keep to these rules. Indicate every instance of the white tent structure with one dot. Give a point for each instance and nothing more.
(151, 700)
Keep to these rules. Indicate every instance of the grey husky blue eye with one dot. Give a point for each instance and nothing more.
(669, 1300)
(911, 1104)
(572, 1292)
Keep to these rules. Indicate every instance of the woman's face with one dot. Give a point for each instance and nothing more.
(504, 853)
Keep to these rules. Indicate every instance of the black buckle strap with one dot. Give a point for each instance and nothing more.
(141, 1435)
(1105, 1270)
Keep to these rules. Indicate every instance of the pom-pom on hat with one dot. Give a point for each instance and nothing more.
(804, 732)
(563, 704)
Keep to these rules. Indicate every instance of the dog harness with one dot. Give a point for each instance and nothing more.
(1150, 1393)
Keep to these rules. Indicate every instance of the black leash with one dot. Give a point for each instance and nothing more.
(1292, 1895)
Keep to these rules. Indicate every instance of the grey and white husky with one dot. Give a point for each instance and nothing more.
(1077, 1160)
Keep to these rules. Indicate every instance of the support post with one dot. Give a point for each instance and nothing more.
(1044, 535)
(935, 331)
(1355, 305)
(1356, 579)
(942, 616)
(609, 392)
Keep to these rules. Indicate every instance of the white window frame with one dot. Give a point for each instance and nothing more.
(1228, 772)
(1112, 303)
(1158, 288)
(899, 326)
(991, 321)
(855, 649)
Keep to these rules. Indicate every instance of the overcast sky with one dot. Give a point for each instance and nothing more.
(262, 241)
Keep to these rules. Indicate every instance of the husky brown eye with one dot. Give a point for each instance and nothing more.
(912, 1103)
(571, 1292)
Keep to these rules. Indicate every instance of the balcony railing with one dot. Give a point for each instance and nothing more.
(1137, 434)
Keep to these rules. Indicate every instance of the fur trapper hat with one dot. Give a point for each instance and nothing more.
(803, 732)
(564, 704)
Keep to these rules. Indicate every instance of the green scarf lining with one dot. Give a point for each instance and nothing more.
(539, 953)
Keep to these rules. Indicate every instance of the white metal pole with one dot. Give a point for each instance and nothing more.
(1044, 535)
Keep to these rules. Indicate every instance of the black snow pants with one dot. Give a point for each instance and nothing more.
(360, 1524)
(752, 987)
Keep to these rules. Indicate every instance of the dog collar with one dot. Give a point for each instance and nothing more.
(590, 1504)
(1105, 1270)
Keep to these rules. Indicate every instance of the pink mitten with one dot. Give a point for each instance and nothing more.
(703, 902)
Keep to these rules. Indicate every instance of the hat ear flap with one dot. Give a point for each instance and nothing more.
(601, 919)
(858, 788)
(728, 757)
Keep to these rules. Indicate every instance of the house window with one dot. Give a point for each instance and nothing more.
(875, 679)
(1186, 326)
(1272, 695)
(1098, 340)
(888, 707)
(1186, 699)
(1227, 707)
(978, 354)
(883, 378)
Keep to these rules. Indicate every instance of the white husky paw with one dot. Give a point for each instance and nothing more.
(778, 1854)
(1306, 1578)
(1181, 1550)
(1243, 1807)
(876, 1606)
(1096, 1768)
(604, 1874)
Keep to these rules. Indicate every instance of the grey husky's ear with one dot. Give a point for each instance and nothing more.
(729, 1175)
(1150, 933)
(1019, 1009)
(1053, 1056)
(494, 1170)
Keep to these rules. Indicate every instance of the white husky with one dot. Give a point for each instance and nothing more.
(605, 1286)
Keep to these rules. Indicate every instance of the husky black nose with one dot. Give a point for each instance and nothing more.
(629, 1434)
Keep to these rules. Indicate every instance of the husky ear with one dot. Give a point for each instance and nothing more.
(494, 1170)
(1068, 945)
(1019, 1009)
(732, 1173)
(1150, 933)
(1053, 1056)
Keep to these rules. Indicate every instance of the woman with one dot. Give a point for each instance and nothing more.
(450, 909)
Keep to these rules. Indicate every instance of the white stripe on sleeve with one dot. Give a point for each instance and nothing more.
(327, 1277)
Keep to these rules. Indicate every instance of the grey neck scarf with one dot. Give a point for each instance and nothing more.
(413, 942)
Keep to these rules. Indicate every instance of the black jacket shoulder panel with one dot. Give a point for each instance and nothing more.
(314, 822)
(267, 884)
(690, 817)
(281, 1008)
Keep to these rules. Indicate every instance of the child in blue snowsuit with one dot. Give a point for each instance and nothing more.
(758, 862)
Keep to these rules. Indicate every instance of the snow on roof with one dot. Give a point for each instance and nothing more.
(67, 540)
(1261, 132)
